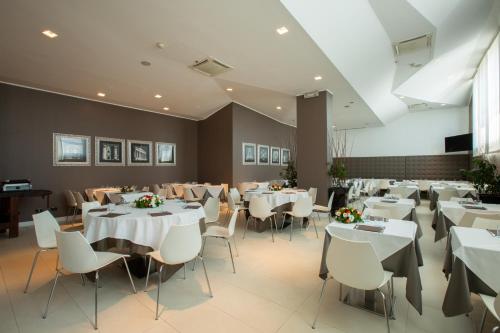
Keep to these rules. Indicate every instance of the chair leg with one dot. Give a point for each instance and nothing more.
(231, 253)
(385, 310)
(283, 221)
(246, 227)
(35, 259)
(483, 319)
(82, 276)
(67, 215)
(51, 295)
(340, 292)
(236, 248)
(95, 304)
(147, 275)
(75, 210)
(206, 276)
(130, 276)
(158, 291)
(204, 241)
(272, 230)
(315, 229)
(291, 228)
(319, 303)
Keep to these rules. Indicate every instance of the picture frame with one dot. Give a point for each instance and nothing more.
(70, 150)
(165, 154)
(109, 152)
(275, 156)
(249, 153)
(139, 153)
(263, 154)
(285, 156)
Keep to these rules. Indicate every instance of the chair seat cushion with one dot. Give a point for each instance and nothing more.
(156, 256)
(216, 231)
(489, 302)
(106, 258)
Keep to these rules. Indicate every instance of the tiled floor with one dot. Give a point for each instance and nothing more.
(275, 289)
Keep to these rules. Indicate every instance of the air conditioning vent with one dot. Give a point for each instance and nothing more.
(412, 45)
(210, 67)
(418, 107)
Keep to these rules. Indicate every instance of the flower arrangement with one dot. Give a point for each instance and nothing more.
(275, 187)
(126, 188)
(348, 215)
(148, 201)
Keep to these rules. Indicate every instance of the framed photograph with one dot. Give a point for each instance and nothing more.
(139, 153)
(165, 154)
(275, 156)
(109, 152)
(263, 151)
(285, 156)
(70, 150)
(249, 153)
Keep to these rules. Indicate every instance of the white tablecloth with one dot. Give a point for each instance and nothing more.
(276, 198)
(199, 189)
(126, 197)
(480, 252)
(397, 235)
(407, 190)
(454, 211)
(138, 226)
(462, 189)
(405, 204)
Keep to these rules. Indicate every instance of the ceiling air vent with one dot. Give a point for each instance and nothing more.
(210, 67)
(418, 107)
(412, 45)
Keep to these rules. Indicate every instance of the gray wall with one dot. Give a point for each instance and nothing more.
(252, 127)
(29, 117)
(215, 147)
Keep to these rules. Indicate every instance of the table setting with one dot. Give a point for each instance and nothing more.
(464, 190)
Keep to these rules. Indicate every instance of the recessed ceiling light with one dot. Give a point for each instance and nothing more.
(229, 89)
(157, 96)
(402, 97)
(145, 63)
(318, 77)
(160, 45)
(166, 108)
(351, 102)
(50, 33)
(283, 30)
(346, 106)
(443, 104)
(101, 94)
(278, 107)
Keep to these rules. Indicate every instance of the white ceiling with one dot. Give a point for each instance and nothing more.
(101, 44)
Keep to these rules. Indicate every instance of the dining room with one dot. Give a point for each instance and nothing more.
(250, 166)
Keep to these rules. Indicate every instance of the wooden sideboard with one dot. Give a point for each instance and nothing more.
(9, 208)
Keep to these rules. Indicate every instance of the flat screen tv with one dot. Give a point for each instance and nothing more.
(458, 143)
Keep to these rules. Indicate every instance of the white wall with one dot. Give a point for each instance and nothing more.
(416, 133)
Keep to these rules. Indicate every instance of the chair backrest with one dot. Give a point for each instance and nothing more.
(350, 193)
(231, 202)
(181, 244)
(145, 188)
(303, 207)
(156, 189)
(70, 198)
(361, 269)
(313, 192)
(447, 194)
(225, 188)
(90, 194)
(75, 252)
(377, 212)
(491, 222)
(330, 201)
(259, 207)
(236, 194)
(468, 218)
(115, 198)
(396, 212)
(79, 199)
(232, 222)
(212, 208)
(45, 226)
(86, 206)
(188, 194)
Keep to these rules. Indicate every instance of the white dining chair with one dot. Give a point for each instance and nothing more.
(232, 206)
(236, 196)
(189, 195)
(86, 206)
(181, 245)
(90, 194)
(224, 233)
(212, 210)
(156, 189)
(77, 256)
(71, 205)
(469, 217)
(301, 209)
(260, 210)
(364, 273)
(325, 209)
(313, 192)
(45, 226)
(492, 305)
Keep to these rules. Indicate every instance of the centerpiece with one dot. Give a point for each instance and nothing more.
(348, 215)
(127, 189)
(149, 201)
(275, 187)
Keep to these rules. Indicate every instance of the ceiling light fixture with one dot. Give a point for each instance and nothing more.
(318, 77)
(157, 96)
(166, 108)
(101, 94)
(283, 30)
(229, 89)
(50, 33)
(278, 107)
(443, 104)
(402, 97)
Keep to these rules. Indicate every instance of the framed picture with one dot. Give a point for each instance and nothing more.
(249, 153)
(165, 154)
(263, 151)
(70, 150)
(275, 156)
(139, 153)
(109, 152)
(285, 156)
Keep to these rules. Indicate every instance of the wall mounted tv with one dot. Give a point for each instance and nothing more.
(458, 143)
